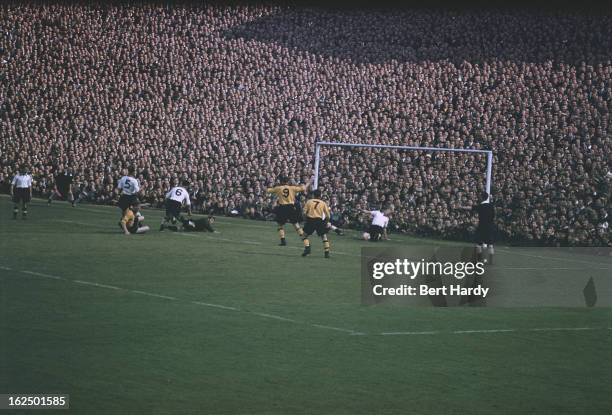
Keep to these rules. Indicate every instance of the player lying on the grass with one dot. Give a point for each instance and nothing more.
(129, 187)
(62, 186)
(21, 192)
(286, 210)
(317, 215)
(132, 221)
(194, 225)
(175, 199)
(378, 227)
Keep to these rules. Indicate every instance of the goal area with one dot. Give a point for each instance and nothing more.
(321, 144)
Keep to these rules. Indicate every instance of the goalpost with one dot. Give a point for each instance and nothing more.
(320, 144)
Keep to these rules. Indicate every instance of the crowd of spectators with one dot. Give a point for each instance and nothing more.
(231, 97)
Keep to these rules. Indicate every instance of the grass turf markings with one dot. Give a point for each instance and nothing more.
(320, 326)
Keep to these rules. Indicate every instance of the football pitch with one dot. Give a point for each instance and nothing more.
(227, 323)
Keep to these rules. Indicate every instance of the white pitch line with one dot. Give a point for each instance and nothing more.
(40, 274)
(563, 329)
(483, 331)
(5, 268)
(321, 326)
(95, 284)
(219, 306)
(273, 316)
(223, 307)
(167, 297)
(492, 331)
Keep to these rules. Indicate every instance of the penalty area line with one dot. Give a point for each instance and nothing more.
(165, 297)
(273, 316)
(493, 331)
(95, 284)
(223, 307)
(200, 303)
(353, 332)
(40, 274)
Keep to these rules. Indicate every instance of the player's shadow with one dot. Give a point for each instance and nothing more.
(366, 36)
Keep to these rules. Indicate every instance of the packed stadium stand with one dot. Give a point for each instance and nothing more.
(230, 97)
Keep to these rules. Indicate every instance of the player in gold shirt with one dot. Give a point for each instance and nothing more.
(286, 211)
(131, 222)
(317, 215)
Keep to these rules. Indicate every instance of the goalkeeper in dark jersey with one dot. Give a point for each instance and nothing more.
(485, 230)
(194, 225)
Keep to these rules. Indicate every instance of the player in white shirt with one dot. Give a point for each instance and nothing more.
(21, 192)
(175, 199)
(378, 227)
(129, 187)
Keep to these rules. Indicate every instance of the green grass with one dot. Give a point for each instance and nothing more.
(117, 351)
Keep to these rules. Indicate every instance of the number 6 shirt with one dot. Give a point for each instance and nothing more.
(179, 194)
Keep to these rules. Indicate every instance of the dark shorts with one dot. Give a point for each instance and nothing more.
(61, 194)
(126, 200)
(299, 216)
(63, 191)
(375, 232)
(484, 234)
(286, 213)
(313, 225)
(21, 195)
(173, 209)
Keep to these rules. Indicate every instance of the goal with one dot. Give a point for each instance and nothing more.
(319, 144)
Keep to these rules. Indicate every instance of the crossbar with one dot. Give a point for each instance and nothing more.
(319, 144)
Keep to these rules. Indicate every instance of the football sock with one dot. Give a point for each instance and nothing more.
(281, 233)
(15, 211)
(326, 245)
(299, 231)
(306, 243)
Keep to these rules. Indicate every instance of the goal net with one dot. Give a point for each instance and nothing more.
(425, 186)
